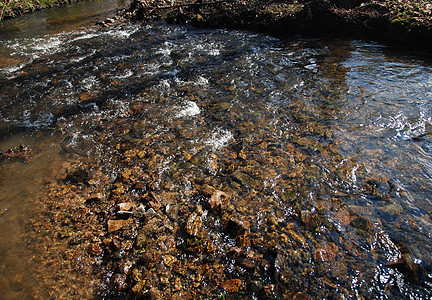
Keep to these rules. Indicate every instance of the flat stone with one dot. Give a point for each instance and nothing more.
(114, 225)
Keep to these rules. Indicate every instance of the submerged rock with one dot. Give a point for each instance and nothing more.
(232, 285)
(218, 199)
(119, 282)
(194, 223)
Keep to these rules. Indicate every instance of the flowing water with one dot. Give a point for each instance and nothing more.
(322, 148)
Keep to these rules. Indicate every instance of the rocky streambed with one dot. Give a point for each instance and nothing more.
(200, 163)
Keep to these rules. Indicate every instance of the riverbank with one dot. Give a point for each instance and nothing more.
(407, 24)
(13, 8)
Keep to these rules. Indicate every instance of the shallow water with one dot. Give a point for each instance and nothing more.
(324, 145)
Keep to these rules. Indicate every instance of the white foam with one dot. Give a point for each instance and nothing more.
(219, 139)
(189, 109)
(201, 81)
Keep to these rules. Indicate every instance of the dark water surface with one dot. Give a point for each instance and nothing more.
(324, 147)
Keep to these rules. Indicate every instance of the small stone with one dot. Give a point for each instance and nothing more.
(393, 209)
(256, 286)
(272, 221)
(126, 206)
(154, 294)
(119, 282)
(218, 198)
(311, 219)
(177, 284)
(114, 225)
(139, 212)
(194, 222)
(137, 288)
(232, 285)
(150, 213)
(243, 240)
(168, 260)
(326, 253)
(136, 275)
(95, 249)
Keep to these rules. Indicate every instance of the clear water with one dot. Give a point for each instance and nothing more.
(334, 127)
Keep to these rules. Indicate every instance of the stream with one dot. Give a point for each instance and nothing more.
(165, 162)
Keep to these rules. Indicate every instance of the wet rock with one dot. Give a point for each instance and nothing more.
(218, 199)
(77, 176)
(311, 219)
(86, 96)
(378, 189)
(146, 258)
(169, 260)
(153, 201)
(326, 253)
(232, 285)
(343, 216)
(244, 179)
(150, 214)
(119, 283)
(154, 294)
(272, 221)
(126, 206)
(392, 209)
(234, 227)
(139, 212)
(338, 269)
(138, 288)
(412, 270)
(94, 198)
(124, 214)
(194, 223)
(114, 225)
(296, 236)
(95, 249)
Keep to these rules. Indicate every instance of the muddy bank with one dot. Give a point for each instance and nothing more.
(402, 24)
(10, 8)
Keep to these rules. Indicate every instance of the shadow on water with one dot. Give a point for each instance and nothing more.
(197, 163)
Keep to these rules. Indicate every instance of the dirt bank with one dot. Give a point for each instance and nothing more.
(14, 8)
(405, 24)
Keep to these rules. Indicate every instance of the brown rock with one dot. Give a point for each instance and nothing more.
(326, 253)
(343, 217)
(119, 282)
(126, 206)
(243, 240)
(169, 260)
(153, 201)
(154, 294)
(114, 225)
(137, 289)
(218, 198)
(311, 219)
(86, 96)
(95, 249)
(194, 223)
(232, 285)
